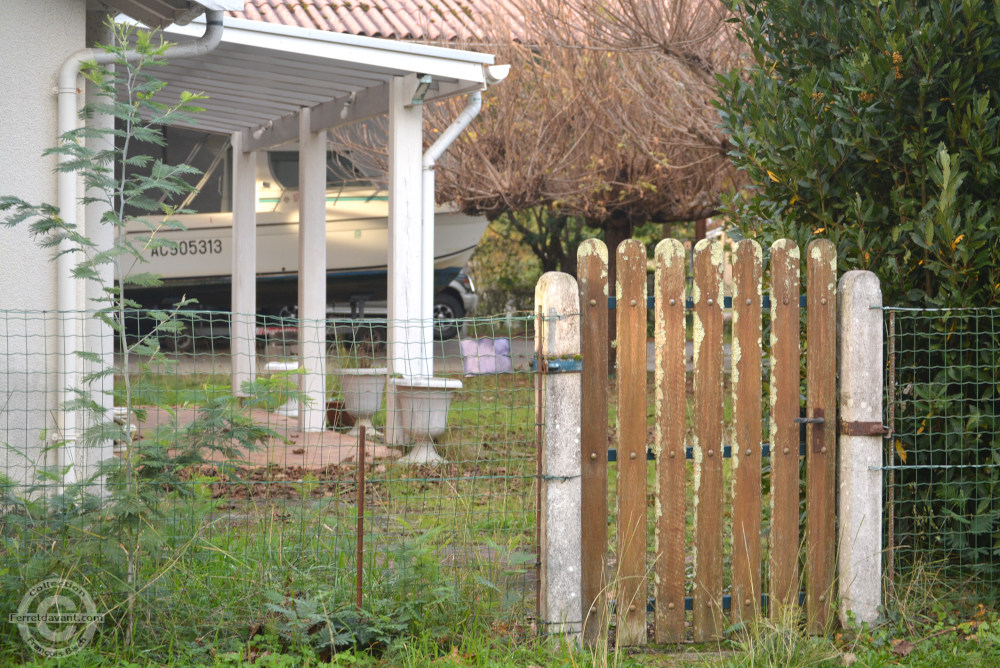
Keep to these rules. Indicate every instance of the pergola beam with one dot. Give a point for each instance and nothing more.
(353, 108)
(273, 133)
(343, 110)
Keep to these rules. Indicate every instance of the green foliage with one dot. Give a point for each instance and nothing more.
(505, 270)
(104, 538)
(947, 429)
(409, 595)
(781, 642)
(518, 247)
(874, 124)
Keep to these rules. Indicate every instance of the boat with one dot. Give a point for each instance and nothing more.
(198, 264)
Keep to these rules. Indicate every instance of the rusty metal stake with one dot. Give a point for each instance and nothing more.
(361, 515)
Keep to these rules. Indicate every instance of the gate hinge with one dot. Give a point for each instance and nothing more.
(864, 429)
(549, 365)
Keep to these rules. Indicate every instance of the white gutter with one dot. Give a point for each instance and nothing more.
(493, 74)
(67, 286)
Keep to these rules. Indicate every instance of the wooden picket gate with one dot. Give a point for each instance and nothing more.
(701, 435)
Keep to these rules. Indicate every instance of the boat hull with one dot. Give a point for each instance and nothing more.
(199, 262)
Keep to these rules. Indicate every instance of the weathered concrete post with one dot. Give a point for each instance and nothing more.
(859, 512)
(557, 345)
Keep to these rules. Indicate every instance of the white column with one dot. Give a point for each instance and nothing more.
(244, 298)
(859, 502)
(560, 528)
(407, 348)
(312, 274)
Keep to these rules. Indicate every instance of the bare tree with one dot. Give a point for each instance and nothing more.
(606, 116)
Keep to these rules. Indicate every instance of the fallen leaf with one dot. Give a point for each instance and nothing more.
(298, 451)
(902, 647)
(900, 450)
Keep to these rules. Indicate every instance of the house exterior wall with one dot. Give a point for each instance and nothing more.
(36, 37)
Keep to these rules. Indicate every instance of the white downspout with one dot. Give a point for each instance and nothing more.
(66, 198)
(435, 151)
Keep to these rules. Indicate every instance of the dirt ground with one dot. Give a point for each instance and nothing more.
(290, 448)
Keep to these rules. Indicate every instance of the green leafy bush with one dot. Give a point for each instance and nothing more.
(874, 124)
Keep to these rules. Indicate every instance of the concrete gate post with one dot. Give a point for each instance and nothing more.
(557, 346)
(859, 504)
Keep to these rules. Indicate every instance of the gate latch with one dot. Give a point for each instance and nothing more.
(818, 418)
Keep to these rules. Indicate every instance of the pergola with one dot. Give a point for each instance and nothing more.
(269, 85)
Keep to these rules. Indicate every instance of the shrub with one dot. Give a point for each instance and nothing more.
(874, 124)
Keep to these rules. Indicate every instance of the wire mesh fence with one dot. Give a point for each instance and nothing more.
(943, 459)
(178, 505)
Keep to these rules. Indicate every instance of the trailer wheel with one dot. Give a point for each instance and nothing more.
(448, 311)
(177, 342)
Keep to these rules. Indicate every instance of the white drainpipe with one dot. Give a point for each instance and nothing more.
(435, 151)
(66, 199)
(493, 74)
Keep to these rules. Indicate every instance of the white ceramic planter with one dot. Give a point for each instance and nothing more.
(423, 414)
(290, 408)
(362, 390)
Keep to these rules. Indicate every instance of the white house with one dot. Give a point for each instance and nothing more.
(338, 79)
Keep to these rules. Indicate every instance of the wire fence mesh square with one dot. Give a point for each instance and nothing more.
(943, 459)
(180, 504)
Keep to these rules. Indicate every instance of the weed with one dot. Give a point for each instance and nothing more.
(780, 642)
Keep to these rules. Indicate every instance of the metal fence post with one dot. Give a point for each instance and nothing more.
(557, 345)
(860, 452)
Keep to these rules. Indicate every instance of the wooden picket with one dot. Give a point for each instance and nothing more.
(821, 437)
(746, 447)
(784, 562)
(592, 271)
(708, 411)
(671, 412)
(749, 593)
(631, 575)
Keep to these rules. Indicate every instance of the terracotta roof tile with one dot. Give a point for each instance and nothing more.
(451, 20)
